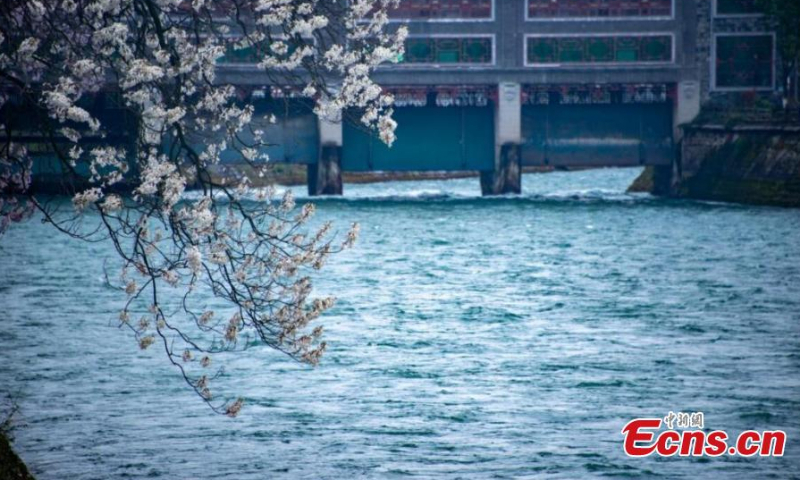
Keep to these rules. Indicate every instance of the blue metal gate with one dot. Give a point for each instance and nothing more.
(597, 135)
(428, 138)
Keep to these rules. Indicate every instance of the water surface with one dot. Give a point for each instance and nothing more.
(473, 338)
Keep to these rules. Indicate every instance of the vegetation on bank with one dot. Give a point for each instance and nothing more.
(11, 466)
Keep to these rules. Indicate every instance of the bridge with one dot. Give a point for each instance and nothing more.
(497, 85)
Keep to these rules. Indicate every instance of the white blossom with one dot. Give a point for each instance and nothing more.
(194, 259)
(112, 203)
(88, 197)
(157, 64)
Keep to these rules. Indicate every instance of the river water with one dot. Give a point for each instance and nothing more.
(473, 338)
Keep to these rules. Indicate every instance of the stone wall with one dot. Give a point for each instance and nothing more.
(748, 164)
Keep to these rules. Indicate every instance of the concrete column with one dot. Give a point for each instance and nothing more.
(687, 105)
(325, 176)
(330, 133)
(667, 178)
(506, 176)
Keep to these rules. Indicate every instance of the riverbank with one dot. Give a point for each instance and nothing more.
(11, 466)
(746, 163)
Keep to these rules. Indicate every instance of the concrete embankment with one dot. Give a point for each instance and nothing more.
(755, 164)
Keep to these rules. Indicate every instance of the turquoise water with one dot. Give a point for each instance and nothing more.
(473, 338)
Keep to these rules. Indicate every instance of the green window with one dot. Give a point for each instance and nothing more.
(542, 50)
(600, 49)
(656, 49)
(627, 49)
(448, 50)
(571, 50)
(476, 50)
(419, 50)
(744, 61)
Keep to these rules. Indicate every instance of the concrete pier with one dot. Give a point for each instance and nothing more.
(666, 178)
(506, 176)
(325, 176)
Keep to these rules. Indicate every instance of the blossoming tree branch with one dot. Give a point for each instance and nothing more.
(247, 250)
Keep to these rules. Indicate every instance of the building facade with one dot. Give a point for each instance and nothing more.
(723, 45)
(568, 82)
(498, 85)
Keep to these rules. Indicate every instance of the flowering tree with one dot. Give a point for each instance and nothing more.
(235, 244)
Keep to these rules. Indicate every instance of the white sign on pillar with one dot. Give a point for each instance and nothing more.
(508, 114)
(330, 133)
(330, 130)
(687, 104)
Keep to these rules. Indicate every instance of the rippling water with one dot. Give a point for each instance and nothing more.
(473, 338)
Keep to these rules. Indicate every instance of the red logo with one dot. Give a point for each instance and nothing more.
(644, 437)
